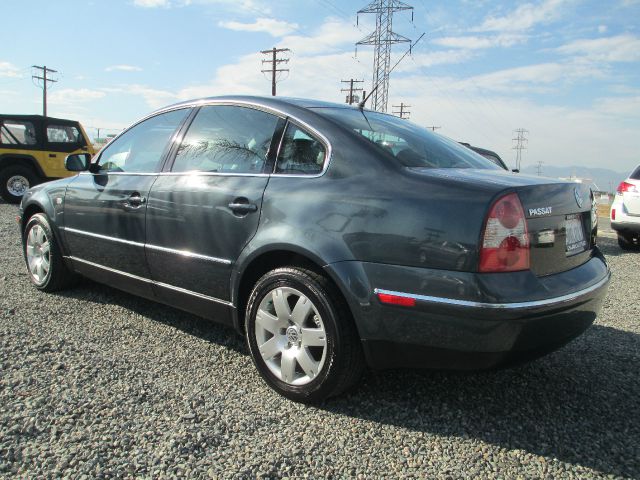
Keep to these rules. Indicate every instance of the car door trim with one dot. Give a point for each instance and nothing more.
(183, 253)
(152, 282)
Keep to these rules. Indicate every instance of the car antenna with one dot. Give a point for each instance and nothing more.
(362, 103)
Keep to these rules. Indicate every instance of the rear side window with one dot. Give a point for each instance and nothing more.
(17, 132)
(300, 153)
(636, 174)
(226, 139)
(63, 134)
(140, 149)
(408, 144)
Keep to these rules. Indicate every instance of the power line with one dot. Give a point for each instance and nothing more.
(382, 38)
(45, 80)
(402, 112)
(351, 98)
(521, 144)
(275, 61)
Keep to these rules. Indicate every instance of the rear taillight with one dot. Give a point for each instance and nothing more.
(626, 187)
(613, 214)
(505, 242)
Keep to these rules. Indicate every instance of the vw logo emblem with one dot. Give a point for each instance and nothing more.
(576, 192)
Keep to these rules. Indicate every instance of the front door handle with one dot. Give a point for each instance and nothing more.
(135, 201)
(241, 206)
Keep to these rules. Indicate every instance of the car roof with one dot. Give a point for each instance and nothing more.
(37, 118)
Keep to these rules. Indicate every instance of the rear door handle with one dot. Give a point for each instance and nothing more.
(242, 206)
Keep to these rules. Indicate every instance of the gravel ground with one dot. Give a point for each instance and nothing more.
(95, 383)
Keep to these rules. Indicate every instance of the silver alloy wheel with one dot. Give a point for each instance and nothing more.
(38, 254)
(17, 185)
(290, 336)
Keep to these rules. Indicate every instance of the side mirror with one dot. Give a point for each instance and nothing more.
(78, 162)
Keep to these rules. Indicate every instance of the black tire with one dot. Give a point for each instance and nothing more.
(57, 276)
(344, 361)
(625, 242)
(12, 172)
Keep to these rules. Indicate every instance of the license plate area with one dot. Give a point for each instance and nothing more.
(575, 241)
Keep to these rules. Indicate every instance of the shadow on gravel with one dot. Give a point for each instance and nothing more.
(580, 405)
(609, 246)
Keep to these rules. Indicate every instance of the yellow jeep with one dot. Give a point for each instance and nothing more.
(33, 149)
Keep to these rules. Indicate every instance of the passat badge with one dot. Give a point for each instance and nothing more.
(578, 196)
(538, 212)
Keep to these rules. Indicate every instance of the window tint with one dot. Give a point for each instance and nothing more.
(300, 153)
(636, 174)
(63, 134)
(408, 143)
(229, 139)
(17, 132)
(140, 148)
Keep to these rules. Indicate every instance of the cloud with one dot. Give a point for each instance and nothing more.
(275, 28)
(8, 70)
(620, 48)
(123, 68)
(525, 16)
(480, 42)
(151, 3)
(68, 96)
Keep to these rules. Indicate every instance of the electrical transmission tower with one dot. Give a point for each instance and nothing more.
(539, 167)
(45, 81)
(402, 112)
(275, 61)
(382, 39)
(351, 98)
(521, 144)
(434, 128)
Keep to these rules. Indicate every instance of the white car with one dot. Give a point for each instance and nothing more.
(625, 212)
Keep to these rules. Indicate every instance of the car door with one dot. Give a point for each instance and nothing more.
(104, 212)
(204, 211)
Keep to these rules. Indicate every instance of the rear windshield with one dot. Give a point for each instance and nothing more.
(408, 143)
(636, 174)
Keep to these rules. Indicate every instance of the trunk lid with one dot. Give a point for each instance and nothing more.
(558, 213)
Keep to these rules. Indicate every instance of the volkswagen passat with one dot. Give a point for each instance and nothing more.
(331, 237)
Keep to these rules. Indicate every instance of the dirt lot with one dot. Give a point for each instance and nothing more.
(100, 384)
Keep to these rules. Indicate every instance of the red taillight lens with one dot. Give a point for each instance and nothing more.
(396, 300)
(626, 187)
(505, 242)
(613, 214)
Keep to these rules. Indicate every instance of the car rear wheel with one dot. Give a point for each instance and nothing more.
(15, 180)
(301, 335)
(47, 270)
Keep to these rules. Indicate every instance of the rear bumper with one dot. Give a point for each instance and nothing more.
(626, 227)
(479, 327)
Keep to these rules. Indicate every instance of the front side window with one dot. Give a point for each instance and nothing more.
(17, 132)
(300, 153)
(408, 143)
(140, 149)
(63, 134)
(226, 139)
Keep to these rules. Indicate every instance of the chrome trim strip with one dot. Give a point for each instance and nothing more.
(102, 237)
(184, 253)
(188, 254)
(498, 306)
(153, 282)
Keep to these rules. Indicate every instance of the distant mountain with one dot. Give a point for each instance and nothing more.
(604, 179)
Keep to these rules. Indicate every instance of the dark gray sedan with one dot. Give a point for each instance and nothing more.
(332, 237)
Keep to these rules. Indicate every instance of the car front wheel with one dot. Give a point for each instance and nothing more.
(301, 335)
(43, 256)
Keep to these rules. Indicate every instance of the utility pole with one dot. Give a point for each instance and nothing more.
(351, 97)
(275, 61)
(539, 167)
(402, 113)
(45, 80)
(433, 129)
(382, 39)
(521, 144)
